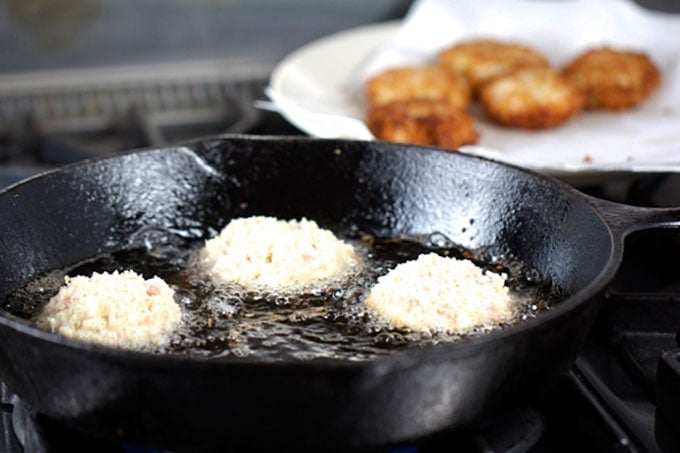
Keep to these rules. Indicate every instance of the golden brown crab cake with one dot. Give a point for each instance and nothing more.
(422, 122)
(531, 98)
(482, 60)
(613, 79)
(418, 82)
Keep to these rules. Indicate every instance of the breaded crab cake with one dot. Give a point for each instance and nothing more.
(435, 293)
(284, 256)
(613, 79)
(422, 122)
(418, 82)
(531, 98)
(123, 310)
(482, 60)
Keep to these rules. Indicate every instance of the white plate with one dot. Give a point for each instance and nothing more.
(319, 89)
(323, 78)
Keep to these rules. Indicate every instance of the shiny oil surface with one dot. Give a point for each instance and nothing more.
(331, 322)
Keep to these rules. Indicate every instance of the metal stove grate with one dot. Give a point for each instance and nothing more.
(122, 108)
(631, 366)
(53, 118)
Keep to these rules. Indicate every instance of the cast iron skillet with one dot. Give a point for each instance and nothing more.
(80, 211)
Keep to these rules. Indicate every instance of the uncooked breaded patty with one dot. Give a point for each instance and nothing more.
(531, 98)
(612, 79)
(285, 256)
(418, 82)
(115, 309)
(441, 294)
(422, 122)
(482, 60)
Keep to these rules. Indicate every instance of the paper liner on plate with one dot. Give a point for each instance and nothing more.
(643, 139)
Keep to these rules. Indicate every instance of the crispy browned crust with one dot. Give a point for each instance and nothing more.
(418, 82)
(422, 122)
(482, 60)
(532, 98)
(612, 79)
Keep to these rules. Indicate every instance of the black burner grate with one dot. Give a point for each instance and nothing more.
(630, 365)
(52, 119)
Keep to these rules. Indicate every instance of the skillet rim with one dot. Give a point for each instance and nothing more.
(408, 356)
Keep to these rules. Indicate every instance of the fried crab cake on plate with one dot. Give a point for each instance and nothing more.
(436, 293)
(613, 79)
(531, 98)
(482, 60)
(422, 122)
(418, 82)
(266, 254)
(123, 310)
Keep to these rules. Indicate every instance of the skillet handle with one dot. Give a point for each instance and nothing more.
(624, 219)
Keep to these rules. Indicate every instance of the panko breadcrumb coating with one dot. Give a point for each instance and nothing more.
(418, 82)
(422, 122)
(482, 60)
(115, 309)
(612, 79)
(435, 293)
(531, 98)
(267, 254)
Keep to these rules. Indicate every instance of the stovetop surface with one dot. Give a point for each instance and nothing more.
(622, 394)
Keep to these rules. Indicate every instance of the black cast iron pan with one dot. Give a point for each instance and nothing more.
(81, 211)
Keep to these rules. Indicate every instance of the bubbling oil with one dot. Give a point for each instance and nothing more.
(330, 322)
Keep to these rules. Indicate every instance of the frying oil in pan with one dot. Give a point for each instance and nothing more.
(227, 321)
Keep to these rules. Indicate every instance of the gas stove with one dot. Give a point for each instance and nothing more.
(622, 394)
